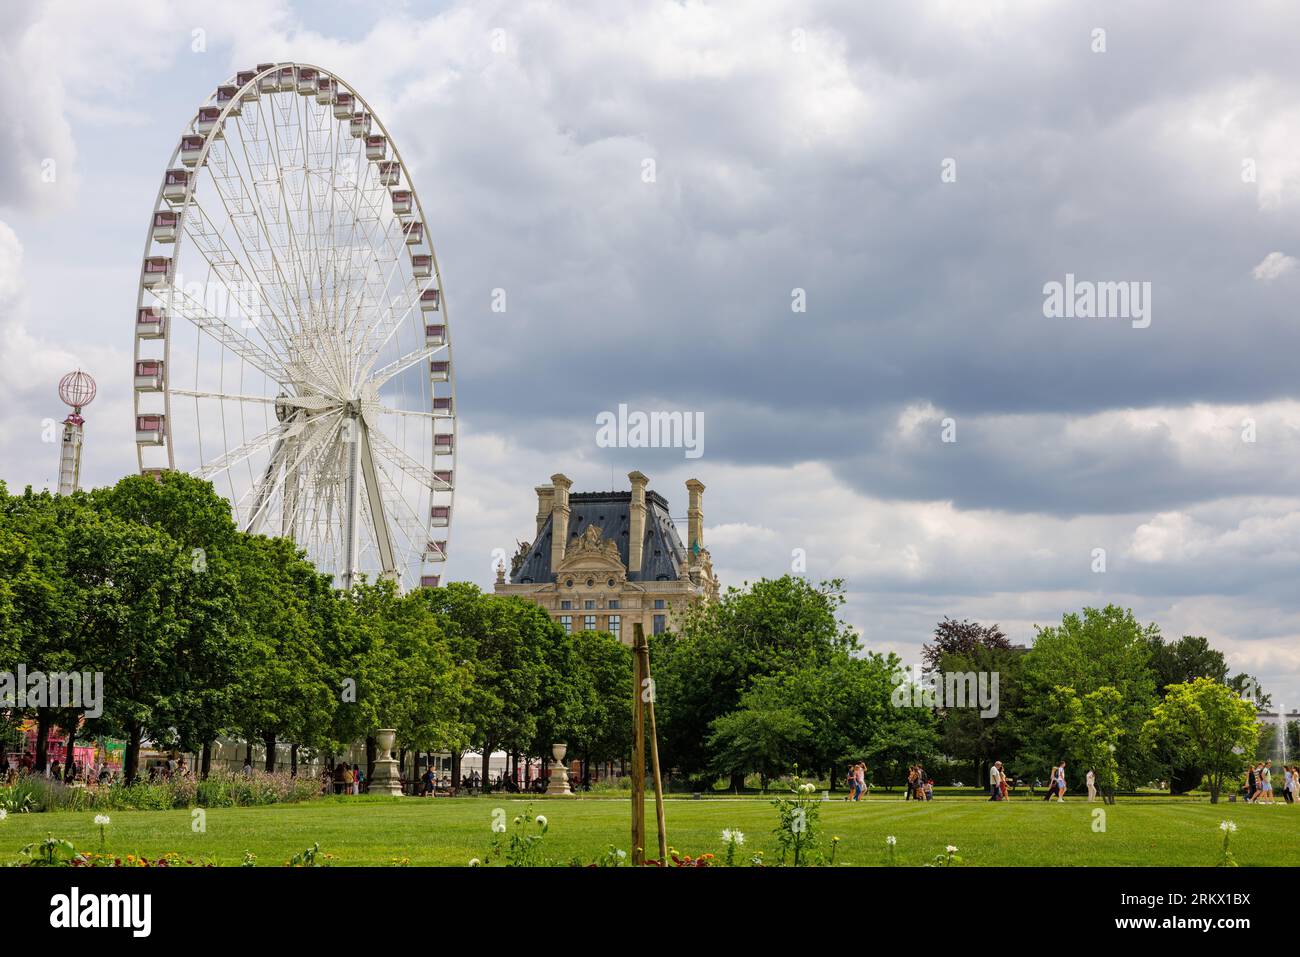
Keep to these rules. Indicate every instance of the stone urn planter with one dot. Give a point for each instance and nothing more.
(559, 780)
(386, 779)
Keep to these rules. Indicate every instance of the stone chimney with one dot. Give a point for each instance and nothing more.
(636, 522)
(695, 519)
(545, 494)
(559, 518)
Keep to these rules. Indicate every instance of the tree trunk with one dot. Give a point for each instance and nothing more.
(455, 770)
(248, 754)
(293, 760)
(42, 740)
(269, 743)
(205, 762)
(67, 758)
(131, 760)
(372, 752)
(487, 762)
(737, 781)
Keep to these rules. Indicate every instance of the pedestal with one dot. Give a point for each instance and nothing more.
(387, 779)
(559, 780)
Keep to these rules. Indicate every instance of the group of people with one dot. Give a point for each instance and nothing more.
(80, 774)
(1259, 783)
(1056, 785)
(919, 785)
(343, 778)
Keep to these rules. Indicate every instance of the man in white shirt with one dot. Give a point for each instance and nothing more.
(995, 782)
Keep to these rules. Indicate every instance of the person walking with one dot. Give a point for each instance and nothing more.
(859, 781)
(995, 782)
(1092, 786)
(1266, 782)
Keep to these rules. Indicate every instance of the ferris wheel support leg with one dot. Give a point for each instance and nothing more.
(375, 499)
(352, 426)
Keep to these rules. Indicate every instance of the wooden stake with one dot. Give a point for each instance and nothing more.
(638, 761)
(646, 682)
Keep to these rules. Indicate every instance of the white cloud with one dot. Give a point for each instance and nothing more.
(1273, 266)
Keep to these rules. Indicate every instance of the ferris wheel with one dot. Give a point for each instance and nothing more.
(291, 341)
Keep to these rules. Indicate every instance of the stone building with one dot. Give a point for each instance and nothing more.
(601, 561)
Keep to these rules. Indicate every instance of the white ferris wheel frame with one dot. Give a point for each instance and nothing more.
(366, 450)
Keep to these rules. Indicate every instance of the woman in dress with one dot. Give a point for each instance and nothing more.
(1092, 786)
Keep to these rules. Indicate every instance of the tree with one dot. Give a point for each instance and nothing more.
(701, 672)
(967, 733)
(961, 638)
(1092, 728)
(1098, 648)
(601, 727)
(1205, 723)
(763, 735)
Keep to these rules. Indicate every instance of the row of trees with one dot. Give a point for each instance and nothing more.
(1107, 693)
(768, 679)
(200, 630)
(203, 631)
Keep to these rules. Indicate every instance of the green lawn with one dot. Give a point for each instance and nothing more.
(1142, 831)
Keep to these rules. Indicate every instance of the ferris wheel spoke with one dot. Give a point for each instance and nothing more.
(276, 478)
(400, 365)
(386, 448)
(250, 448)
(209, 238)
(220, 330)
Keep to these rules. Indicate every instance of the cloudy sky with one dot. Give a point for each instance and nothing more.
(914, 173)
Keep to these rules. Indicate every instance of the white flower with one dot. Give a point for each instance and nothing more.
(3, 814)
(952, 849)
(891, 840)
(474, 862)
(807, 787)
(1229, 826)
(622, 854)
(102, 820)
(541, 821)
(729, 836)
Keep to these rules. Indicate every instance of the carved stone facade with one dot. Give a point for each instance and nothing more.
(601, 561)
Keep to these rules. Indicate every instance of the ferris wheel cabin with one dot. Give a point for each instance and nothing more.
(157, 272)
(429, 300)
(326, 87)
(150, 429)
(164, 226)
(206, 121)
(343, 105)
(191, 148)
(390, 173)
(435, 335)
(439, 370)
(242, 80)
(414, 233)
(307, 81)
(175, 184)
(359, 125)
(421, 265)
(149, 375)
(150, 323)
(376, 147)
(228, 95)
(440, 516)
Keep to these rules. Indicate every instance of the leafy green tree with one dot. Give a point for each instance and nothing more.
(1092, 727)
(763, 735)
(702, 671)
(601, 728)
(1098, 648)
(1207, 724)
(972, 736)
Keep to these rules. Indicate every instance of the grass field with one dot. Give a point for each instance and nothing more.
(364, 831)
